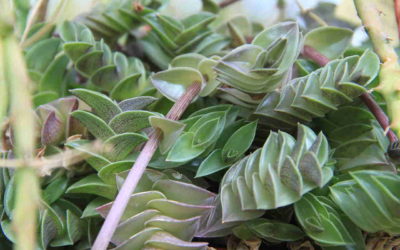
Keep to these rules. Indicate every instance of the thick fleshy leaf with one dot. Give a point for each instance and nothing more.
(131, 121)
(270, 177)
(239, 142)
(53, 77)
(212, 164)
(325, 223)
(314, 95)
(375, 190)
(171, 130)
(329, 40)
(136, 103)
(90, 209)
(102, 106)
(108, 173)
(92, 184)
(94, 124)
(271, 230)
(123, 144)
(183, 150)
(55, 190)
(172, 83)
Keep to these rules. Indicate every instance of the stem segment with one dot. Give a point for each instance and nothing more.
(367, 99)
(136, 172)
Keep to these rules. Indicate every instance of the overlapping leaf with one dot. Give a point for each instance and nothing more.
(323, 221)
(123, 77)
(266, 63)
(370, 199)
(171, 37)
(357, 138)
(320, 92)
(203, 128)
(163, 213)
(276, 175)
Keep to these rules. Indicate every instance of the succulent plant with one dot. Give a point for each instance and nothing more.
(276, 175)
(221, 132)
(323, 221)
(171, 37)
(113, 72)
(47, 65)
(362, 146)
(117, 18)
(164, 213)
(264, 64)
(318, 93)
(375, 190)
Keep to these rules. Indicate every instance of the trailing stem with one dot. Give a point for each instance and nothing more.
(137, 170)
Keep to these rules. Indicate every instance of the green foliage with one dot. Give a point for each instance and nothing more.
(47, 65)
(357, 139)
(276, 175)
(329, 41)
(164, 214)
(59, 218)
(370, 199)
(117, 17)
(319, 92)
(230, 150)
(203, 128)
(269, 230)
(261, 66)
(326, 224)
(328, 186)
(123, 77)
(171, 37)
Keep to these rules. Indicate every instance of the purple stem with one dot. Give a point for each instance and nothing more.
(136, 172)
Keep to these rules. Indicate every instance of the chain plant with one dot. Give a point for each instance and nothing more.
(252, 136)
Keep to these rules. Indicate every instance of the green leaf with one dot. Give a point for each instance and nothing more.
(90, 209)
(171, 130)
(136, 103)
(212, 164)
(324, 222)
(183, 149)
(95, 160)
(92, 184)
(123, 144)
(375, 190)
(94, 124)
(329, 41)
(272, 230)
(108, 173)
(172, 83)
(239, 142)
(53, 77)
(102, 106)
(270, 177)
(72, 233)
(131, 121)
(41, 54)
(44, 97)
(55, 190)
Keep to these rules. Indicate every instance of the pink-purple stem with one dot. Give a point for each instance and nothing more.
(137, 170)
